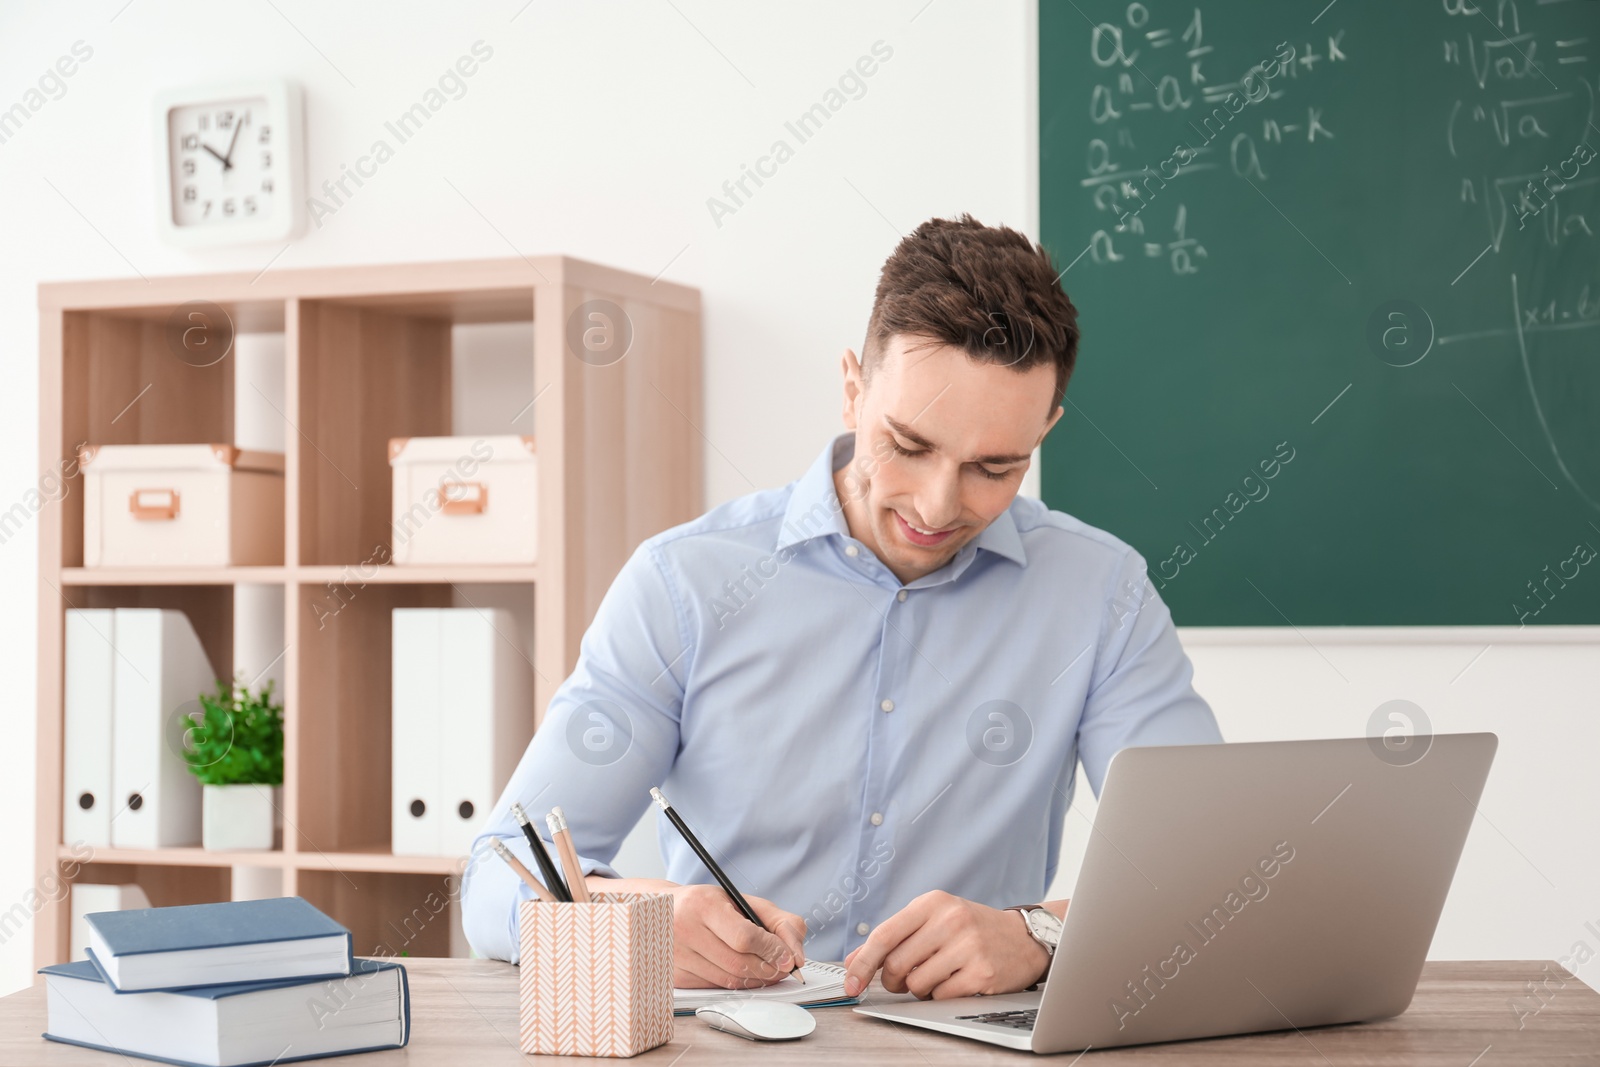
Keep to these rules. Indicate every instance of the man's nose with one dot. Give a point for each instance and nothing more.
(939, 501)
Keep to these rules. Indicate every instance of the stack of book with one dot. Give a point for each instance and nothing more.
(226, 985)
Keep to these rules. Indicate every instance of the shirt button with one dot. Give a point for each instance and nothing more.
(877, 818)
(862, 928)
(887, 705)
(851, 550)
(901, 596)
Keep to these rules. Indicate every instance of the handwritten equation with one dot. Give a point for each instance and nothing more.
(1521, 114)
(1150, 76)
(1524, 89)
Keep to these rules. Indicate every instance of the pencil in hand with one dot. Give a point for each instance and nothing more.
(716, 872)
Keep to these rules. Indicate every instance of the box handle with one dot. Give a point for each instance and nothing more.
(465, 498)
(153, 505)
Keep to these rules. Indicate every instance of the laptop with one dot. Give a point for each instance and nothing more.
(1237, 888)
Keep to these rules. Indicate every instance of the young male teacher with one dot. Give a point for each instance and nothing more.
(867, 691)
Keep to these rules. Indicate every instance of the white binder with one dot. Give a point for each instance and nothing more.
(160, 670)
(86, 802)
(463, 714)
(486, 719)
(414, 784)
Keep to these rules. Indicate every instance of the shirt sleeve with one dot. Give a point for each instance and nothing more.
(1142, 691)
(610, 733)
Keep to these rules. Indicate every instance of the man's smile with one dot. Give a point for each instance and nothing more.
(922, 538)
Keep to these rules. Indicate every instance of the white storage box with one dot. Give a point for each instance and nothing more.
(465, 500)
(462, 715)
(184, 505)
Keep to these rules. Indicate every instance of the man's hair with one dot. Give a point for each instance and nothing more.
(987, 290)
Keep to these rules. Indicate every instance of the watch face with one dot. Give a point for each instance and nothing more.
(222, 159)
(1045, 925)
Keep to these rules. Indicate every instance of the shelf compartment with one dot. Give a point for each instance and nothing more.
(126, 379)
(209, 608)
(340, 736)
(165, 884)
(365, 375)
(388, 914)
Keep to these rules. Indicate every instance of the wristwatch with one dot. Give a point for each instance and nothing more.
(1043, 925)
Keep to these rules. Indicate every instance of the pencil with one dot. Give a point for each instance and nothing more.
(716, 872)
(522, 872)
(547, 869)
(557, 821)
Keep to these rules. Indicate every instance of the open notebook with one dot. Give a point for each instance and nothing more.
(823, 988)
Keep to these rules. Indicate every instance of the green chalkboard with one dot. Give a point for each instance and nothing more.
(1337, 268)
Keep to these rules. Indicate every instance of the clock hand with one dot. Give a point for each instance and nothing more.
(213, 151)
(227, 164)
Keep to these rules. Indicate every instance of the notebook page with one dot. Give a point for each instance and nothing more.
(824, 981)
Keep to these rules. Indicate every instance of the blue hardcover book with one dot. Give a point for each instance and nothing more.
(245, 1024)
(147, 949)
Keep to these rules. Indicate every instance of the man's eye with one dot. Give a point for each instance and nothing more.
(906, 451)
(995, 475)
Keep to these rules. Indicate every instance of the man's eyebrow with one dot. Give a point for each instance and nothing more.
(922, 442)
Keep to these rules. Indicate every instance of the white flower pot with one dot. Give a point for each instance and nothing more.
(240, 816)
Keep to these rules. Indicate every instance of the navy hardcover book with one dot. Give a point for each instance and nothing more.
(242, 1024)
(148, 949)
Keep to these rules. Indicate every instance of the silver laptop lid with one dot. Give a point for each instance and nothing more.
(1257, 886)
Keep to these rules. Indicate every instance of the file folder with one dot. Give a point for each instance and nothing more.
(462, 716)
(415, 703)
(160, 670)
(86, 801)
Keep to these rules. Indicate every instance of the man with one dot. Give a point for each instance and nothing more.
(868, 691)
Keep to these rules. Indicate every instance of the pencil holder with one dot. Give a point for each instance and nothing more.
(596, 978)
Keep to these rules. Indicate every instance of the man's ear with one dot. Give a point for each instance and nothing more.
(1047, 426)
(853, 387)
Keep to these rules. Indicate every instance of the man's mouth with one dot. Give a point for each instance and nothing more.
(920, 537)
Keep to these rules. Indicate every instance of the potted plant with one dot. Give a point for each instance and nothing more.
(236, 750)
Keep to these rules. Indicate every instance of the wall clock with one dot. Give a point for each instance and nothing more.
(230, 163)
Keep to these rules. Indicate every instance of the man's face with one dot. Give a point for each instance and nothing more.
(942, 442)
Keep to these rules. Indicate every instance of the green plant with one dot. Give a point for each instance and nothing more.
(238, 739)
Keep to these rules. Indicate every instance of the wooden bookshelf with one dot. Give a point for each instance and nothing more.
(368, 356)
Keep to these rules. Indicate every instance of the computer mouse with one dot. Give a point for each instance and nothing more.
(759, 1020)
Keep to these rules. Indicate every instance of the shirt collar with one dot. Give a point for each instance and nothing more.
(814, 509)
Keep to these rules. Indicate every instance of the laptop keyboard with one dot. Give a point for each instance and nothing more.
(1016, 1020)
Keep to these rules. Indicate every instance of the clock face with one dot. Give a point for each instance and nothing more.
(226, 169)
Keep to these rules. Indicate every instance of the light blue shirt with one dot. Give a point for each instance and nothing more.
(840, 742)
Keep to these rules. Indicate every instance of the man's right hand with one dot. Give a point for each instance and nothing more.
(713, 945)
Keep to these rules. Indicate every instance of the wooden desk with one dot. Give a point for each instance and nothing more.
(465, 1012)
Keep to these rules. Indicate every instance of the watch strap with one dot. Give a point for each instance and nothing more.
(1050, 952)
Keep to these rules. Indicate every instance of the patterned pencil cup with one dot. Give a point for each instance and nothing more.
(596, 978)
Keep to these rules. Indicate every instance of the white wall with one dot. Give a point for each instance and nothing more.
(597, 130)
(600, 131)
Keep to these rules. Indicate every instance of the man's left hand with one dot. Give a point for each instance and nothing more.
(941, 946)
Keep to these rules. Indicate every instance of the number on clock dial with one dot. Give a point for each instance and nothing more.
(222, 162)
